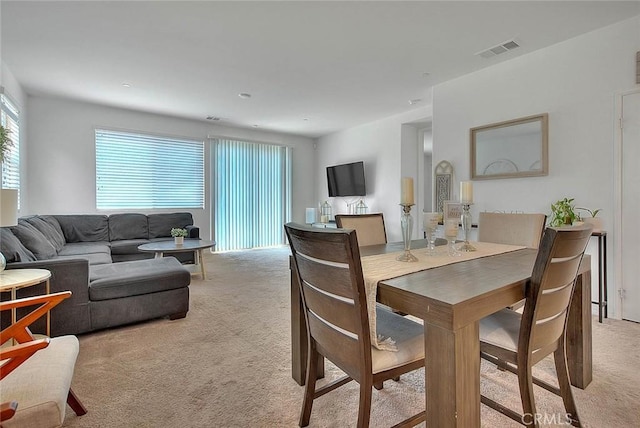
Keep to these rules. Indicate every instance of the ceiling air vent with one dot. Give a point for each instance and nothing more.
(499, 49)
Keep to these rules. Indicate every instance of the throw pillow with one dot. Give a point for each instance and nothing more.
(34, 240)
(12, 249)
(55, 237)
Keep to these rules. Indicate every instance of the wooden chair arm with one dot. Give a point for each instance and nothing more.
(17, 354)
(20, 329)
(35, 300)
(7, 410)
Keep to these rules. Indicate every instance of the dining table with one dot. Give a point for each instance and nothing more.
(451, 300)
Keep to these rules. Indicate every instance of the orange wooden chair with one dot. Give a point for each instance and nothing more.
(24, 380)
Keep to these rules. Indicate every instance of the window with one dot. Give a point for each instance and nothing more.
(252, 188)
(10, 120)
(135, 171)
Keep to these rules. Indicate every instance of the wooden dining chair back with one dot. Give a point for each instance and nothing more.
(524, 340)
(369, 227)
(513, 229)
(327, 262)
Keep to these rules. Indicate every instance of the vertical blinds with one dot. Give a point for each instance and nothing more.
(9, 117)
(252, 187)
(144, 171)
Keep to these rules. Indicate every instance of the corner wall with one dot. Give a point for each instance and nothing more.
(576, 83)
(388, 153)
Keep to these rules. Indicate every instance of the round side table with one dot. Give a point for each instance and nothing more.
(15, 279)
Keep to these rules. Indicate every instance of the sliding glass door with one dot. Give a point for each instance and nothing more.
(251, 194)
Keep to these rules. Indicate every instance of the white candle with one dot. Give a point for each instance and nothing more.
(466, 192)
(406, 194)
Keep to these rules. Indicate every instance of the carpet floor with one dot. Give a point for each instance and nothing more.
(228, 364)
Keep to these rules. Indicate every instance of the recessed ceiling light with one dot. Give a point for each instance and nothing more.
(415, 101)
(244, 95)
(126, 85)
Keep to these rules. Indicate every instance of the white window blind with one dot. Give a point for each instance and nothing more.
(252, 188)
(10, 120)
(145, 171)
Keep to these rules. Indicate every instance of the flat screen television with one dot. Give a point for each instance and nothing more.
(346, 179)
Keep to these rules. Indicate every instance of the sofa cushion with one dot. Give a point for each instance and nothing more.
(78, 248)
(12, 249)
(84, 227)
(34, 240)
(92, 258)
(53, 235)
(54, 223)
(135, 278)
(127, 246)
(160, 225)
(128, 226)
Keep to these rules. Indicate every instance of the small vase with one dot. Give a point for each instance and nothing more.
(179, 240)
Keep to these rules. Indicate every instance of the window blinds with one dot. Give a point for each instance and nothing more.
(252, 187)
(135, 171)
(9, 117)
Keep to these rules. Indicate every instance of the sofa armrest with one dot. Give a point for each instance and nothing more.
(72, 315)
(193, 231)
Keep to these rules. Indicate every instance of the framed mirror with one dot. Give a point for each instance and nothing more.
(443, 179)
(510, 149)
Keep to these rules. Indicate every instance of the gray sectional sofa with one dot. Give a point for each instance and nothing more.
(96, 257)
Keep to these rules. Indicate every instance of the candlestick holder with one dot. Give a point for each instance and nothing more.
(466, 226)
(406, 222)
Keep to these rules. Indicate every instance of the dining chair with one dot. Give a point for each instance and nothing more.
(523, 340)
(513, 229)
(369, 227)
(327, 262)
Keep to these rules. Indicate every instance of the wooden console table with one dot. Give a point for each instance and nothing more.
(602, 274)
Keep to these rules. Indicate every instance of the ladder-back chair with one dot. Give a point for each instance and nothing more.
(522, 341)
(369, 227)
(327, 262)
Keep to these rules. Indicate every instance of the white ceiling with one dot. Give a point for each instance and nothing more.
(312, 67)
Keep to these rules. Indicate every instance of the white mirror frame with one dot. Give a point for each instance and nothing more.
(511, 149)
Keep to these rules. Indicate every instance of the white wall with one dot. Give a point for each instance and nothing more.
(575, 82)
(14, 91)
(380, 145)
(61, 147)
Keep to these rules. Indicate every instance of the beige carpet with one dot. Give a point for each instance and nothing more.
(227, 364)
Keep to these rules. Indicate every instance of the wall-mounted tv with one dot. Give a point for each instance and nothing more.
(346, 179)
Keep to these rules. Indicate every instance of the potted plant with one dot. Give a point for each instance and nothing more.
(178, 235)
(597, 222)
(563, 213)
(5, 142)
